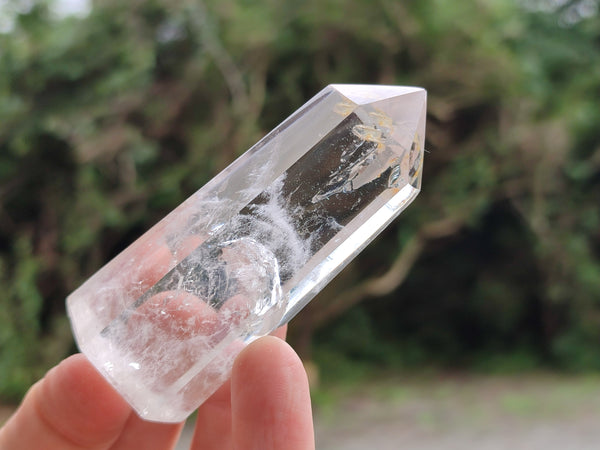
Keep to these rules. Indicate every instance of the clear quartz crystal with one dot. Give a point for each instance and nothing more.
(164, 320)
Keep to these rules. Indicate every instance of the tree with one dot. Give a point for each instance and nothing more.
(110, 120)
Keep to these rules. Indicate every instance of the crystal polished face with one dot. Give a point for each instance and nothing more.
(164, 320)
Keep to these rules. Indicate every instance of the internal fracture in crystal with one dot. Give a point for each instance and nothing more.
(164, 320)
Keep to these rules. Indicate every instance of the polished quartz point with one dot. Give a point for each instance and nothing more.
(164, 320)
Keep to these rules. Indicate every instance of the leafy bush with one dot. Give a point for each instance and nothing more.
(109, 121)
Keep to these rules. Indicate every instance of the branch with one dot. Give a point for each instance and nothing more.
(225, 63)
(394, 276)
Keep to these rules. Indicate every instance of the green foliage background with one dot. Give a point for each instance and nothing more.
(109, 121)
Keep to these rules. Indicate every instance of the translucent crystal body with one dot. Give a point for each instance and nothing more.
(164, 320)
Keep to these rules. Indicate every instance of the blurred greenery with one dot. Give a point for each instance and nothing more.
(111, 118)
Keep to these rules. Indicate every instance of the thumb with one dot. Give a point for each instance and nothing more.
(72, 407)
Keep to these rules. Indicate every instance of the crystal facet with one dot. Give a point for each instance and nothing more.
(164, 320)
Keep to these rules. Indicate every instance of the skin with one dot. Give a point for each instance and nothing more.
(265, 405)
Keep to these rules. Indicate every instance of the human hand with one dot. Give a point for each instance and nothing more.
(266, 405)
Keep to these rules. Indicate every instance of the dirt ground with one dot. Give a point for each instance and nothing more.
(484, 413)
